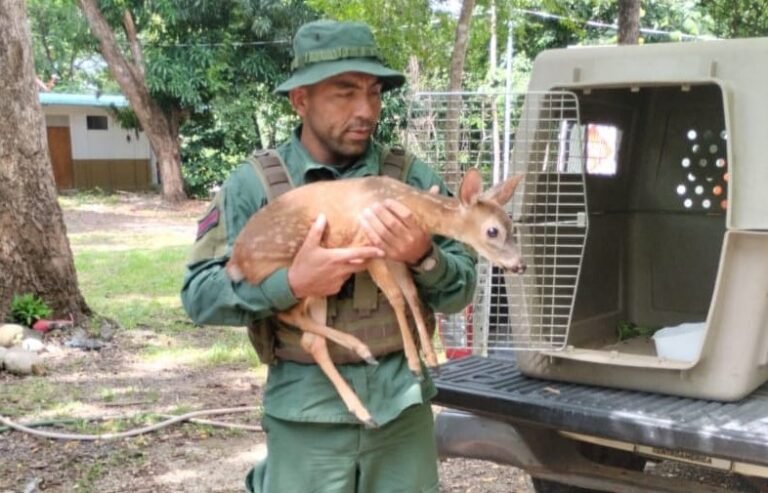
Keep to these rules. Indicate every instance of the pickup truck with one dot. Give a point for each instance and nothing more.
(643, 210)
(579, 438)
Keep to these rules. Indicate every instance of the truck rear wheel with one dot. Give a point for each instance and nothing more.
(544, 486)
(602, 455)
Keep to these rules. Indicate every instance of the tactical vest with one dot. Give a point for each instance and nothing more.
(361, 309)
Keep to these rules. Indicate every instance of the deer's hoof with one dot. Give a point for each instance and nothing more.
(370, 423)
(371, 361)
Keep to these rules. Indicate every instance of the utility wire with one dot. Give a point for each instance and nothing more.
(644, 30)
(533, 13)
(234, 44)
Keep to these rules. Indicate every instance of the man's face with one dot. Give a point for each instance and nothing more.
(339, 115)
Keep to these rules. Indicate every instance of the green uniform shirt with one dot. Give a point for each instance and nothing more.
(295, 391)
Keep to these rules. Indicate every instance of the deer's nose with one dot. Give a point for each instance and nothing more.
(518, 269)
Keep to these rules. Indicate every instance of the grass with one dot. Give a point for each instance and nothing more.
(91, 470)
(36, 394)
(95, 196)
(138, 286)
(230, 346)
(135, 279)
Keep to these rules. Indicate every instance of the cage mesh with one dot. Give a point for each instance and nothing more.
(454, 131)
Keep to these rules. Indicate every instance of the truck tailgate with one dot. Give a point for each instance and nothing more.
(734, 430)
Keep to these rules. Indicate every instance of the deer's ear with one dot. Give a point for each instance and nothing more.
(471, 186)
(501, 193)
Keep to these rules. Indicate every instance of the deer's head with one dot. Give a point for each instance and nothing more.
(486, 227)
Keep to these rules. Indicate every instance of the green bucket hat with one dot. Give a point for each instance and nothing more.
(323, 49)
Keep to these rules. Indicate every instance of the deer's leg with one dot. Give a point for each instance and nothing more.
(386, 281)
(317, 347)
(405, 281)
(299, 317)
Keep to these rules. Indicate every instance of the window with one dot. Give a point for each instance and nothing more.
(602, 149)
(600, 144)
(96, 122)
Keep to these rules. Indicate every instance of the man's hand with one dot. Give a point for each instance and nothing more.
(392, 227)
(319, 271)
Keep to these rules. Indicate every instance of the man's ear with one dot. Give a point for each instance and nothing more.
(298, 99)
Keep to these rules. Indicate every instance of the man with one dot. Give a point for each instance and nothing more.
(314, 444)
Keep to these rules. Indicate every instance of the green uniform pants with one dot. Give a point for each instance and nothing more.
(400, 457)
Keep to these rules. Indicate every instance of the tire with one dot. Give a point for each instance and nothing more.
(602, 455)
(544, 486)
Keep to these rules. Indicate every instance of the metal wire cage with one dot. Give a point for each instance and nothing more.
(539, 135)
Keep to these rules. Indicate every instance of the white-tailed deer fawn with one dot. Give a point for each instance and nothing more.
(275, 233)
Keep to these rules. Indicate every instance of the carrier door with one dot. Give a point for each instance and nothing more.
(537, 134)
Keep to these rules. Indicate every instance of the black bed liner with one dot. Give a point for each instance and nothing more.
(732, 430)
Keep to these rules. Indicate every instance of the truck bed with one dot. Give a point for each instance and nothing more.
(496, 388)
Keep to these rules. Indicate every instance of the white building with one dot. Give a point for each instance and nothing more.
(90, 149)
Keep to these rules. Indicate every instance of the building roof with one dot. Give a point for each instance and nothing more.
(61, 99)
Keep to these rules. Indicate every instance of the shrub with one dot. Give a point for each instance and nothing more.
(28, 308)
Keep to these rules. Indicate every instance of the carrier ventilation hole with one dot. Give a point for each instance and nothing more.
(712, 185)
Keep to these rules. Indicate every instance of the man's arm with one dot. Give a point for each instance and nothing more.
(449, 284)
(208, 295)
(211, 297)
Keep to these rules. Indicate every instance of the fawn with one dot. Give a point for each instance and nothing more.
(273, 235)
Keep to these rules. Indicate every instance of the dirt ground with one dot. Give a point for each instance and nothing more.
(181, 458)
(189, 458)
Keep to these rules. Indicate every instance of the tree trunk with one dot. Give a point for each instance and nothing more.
(493, 64)
(161, 127)
(460, 45)
(34, 251)
(629, 22)
(452, 169)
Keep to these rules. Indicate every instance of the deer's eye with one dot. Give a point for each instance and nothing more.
(492, 232)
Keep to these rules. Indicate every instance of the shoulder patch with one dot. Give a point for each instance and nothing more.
(210, 221)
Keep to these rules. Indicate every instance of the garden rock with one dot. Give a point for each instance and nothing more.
(32, 344)
(82, 341)
(21, 362)
(11, 334)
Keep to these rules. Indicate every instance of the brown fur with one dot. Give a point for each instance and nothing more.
(272, 237)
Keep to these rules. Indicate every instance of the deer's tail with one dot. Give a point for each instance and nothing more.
(234, 272)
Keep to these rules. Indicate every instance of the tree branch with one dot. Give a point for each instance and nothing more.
(133, 41)
(122, 70)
